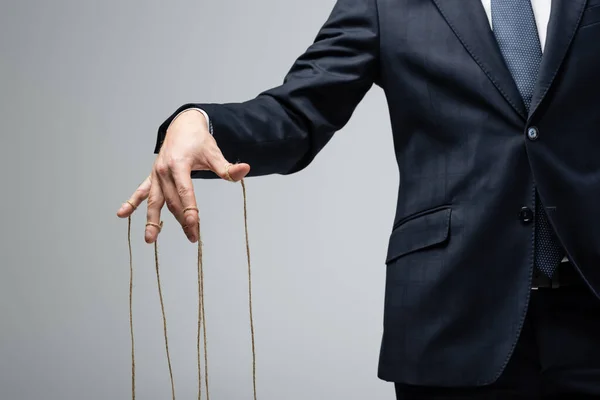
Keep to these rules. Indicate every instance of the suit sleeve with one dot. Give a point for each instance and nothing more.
(282, 129)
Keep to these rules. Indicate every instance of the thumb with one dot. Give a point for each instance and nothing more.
(233, 172)
(223, 168)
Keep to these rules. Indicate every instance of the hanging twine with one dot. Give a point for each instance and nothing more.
(249, 291)
(201, 319)
(201, 331)
(164, 316)
(131, 308)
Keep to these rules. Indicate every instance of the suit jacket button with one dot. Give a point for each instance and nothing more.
(533, 133)
(526, 215)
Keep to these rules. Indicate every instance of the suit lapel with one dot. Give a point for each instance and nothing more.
(468, 20)
(564, 20)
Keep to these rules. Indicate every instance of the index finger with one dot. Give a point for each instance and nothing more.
(136, 199)
(185, 190)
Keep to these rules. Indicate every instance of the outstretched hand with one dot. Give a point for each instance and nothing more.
(188, 146)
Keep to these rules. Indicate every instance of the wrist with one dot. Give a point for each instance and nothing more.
(193, 116)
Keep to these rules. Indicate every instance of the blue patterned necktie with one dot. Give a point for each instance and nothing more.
(515, 29)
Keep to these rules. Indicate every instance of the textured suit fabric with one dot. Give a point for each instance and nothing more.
(460, 258)
(557, 355)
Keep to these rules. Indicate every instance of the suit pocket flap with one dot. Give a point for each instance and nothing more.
(419, 232)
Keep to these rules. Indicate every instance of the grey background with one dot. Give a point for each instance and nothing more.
(84, 86)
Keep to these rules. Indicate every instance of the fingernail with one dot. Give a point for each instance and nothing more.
(122, 207)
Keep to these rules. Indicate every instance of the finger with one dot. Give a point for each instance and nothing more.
(235, 172)
(156, 201)
(140, 194)
(223, 168)
(169, 191)
(187, 197)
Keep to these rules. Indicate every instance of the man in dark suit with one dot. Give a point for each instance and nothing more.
(493, 267)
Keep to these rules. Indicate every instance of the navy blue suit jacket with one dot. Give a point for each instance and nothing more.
(460, 257)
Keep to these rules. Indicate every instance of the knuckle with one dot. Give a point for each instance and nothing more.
(140, 192)
(162, 169)
(175, 162)
(153, 202)
(171, 205)
(172, 163)
(183, 191)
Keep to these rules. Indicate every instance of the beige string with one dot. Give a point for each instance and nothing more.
(201, 316)
(162, 307)
(229, 178)
(249, 291)
(201, 325)
(131, 306)
(201, 309)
